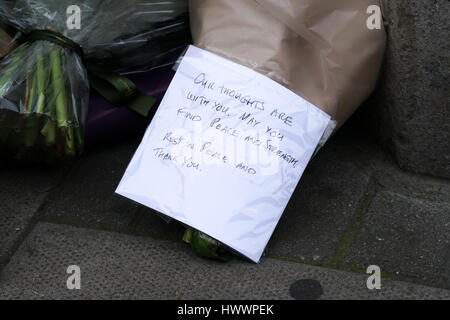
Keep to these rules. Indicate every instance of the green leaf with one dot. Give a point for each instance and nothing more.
(205, 246)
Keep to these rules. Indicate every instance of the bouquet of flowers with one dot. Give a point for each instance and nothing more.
(320, 50)
(45, 81)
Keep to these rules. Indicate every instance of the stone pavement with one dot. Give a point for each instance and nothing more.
(353, 208)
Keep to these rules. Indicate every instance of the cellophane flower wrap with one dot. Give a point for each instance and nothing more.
(44, 86)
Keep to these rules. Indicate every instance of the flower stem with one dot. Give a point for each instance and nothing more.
(58, 87)
(40, 74)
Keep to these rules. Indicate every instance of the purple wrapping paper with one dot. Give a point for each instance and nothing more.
(106, 122)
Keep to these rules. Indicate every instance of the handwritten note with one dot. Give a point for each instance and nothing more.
(224, 152)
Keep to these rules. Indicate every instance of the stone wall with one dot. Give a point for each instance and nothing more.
(410, 110)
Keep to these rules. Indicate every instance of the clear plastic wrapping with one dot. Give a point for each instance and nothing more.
(227, 147)
(44, 86)
(44, 95)
(131, 35)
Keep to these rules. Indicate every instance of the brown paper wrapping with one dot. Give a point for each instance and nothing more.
(320, 49)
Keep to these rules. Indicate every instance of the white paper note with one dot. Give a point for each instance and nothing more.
(224, 152)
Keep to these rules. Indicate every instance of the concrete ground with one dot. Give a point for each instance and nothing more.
(353, 208)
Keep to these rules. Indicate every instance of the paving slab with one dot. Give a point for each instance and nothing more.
(23, 190)
(400, 222)
(120, 266)
(322, 207)
(412, 185)
(353, 207)
(405, 202)
(309, 229)
(156, 225)
(364, 152)
(405, 236)
(87, 197)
